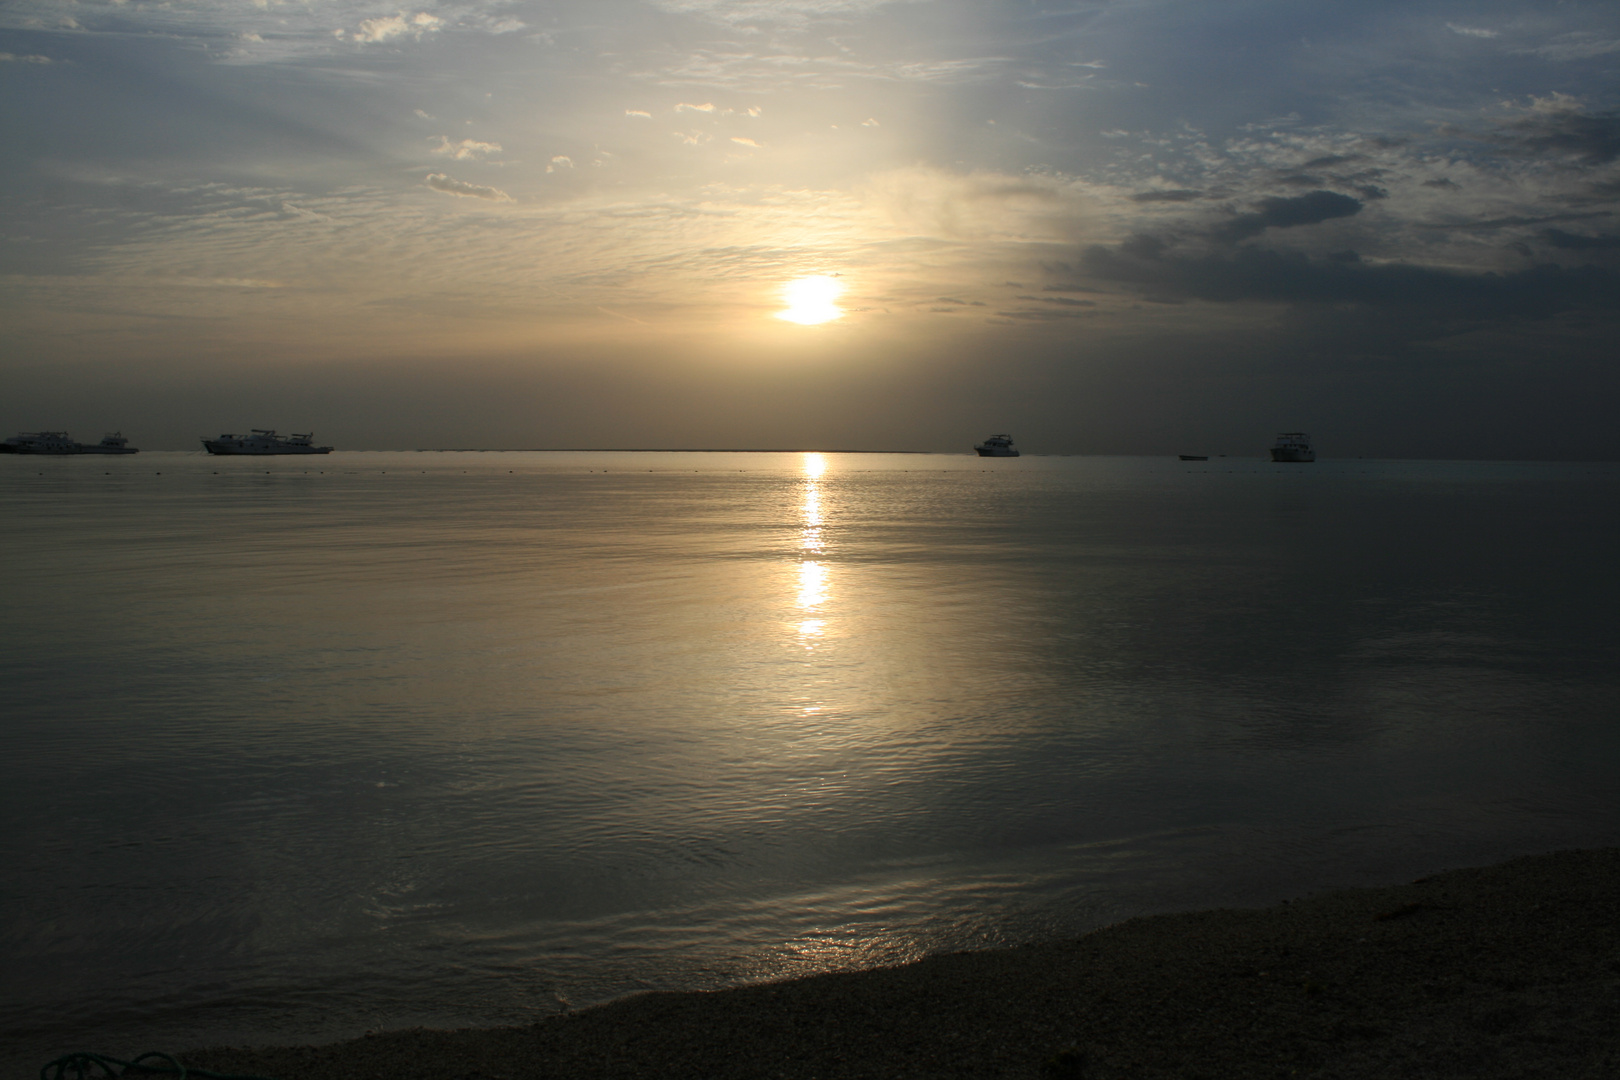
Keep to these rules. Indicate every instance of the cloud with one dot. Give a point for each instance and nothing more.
(950, 70)
(695, 138)
(441, 182)
(1167, 195)
(1472, 31)
(746, 142)
(981, 205)
(1559, 125)
(423, 115)
(1427, 294)
(686, 106)
(869, 122)
(224, 283)
(1512, 221)
(1579, 46)
(1558, 238)
(465, 150)
(561, 161)
(742, 71)
(638, 112)
(790, 13)
(1064, 301)
(1286, 213)
(13, 58)
(1045, 314)
(388, 27)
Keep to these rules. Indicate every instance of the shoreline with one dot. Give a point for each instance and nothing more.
(1511, 970)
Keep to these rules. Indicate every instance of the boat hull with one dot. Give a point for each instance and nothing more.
(995, 452)
(57, 444)
(45, 451)
(1302, 456)
(227, 450)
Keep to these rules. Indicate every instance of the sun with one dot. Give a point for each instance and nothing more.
(810, 300)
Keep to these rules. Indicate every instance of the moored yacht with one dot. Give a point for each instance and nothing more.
(997, 446)
(57, 443)
(264, 441)
(114, 443)
(1292, 446)
(40, 442)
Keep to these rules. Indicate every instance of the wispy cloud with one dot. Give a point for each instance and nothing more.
(226, 283)
(687, 106)
(13, 58)
(638, 112)
(950, 70)
(1571, 47)
(561, 161)
(1473, 31)
(788, 13)
(451, 186)
(465, 149)
(1561, 126)
(389, 27)
(985, 206)
(746, 142)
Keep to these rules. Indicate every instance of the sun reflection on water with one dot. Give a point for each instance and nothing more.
(814, 573)
(812, 585)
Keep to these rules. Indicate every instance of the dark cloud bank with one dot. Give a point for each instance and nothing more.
(1420, 360)
(1262, 274)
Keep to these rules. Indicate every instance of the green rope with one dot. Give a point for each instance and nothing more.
(84, 1066)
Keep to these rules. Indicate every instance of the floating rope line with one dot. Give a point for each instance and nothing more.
(82, 1066)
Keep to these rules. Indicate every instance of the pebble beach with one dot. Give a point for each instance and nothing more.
(1504, 971)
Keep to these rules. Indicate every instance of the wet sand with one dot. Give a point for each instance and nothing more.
(1505, 971)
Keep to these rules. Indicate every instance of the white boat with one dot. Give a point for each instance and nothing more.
(1292, 446)
(264, 441)
(997, 446)
(58, 444)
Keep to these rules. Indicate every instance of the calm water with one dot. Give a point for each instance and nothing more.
(297, 748)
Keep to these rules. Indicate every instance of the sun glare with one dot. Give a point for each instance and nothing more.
(810, 300)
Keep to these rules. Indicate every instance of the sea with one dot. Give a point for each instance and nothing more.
(301, 747)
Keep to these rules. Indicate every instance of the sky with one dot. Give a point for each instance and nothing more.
(1137, 226)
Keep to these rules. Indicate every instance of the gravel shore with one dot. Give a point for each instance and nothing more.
(1506, 971)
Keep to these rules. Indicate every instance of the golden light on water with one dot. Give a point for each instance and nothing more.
(813, 573)
(810, 300)
(812, 584)
(814, 466)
